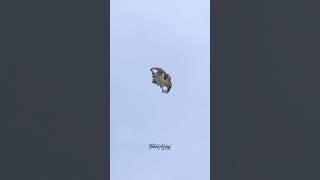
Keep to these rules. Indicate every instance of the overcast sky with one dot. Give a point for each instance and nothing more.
(174, 35)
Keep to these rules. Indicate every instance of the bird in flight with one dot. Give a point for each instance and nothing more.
(161, 78)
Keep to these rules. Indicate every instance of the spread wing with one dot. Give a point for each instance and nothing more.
(158, 70)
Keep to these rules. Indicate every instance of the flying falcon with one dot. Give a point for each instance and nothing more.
(161, 78)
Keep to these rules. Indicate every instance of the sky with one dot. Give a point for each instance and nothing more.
(173, 35)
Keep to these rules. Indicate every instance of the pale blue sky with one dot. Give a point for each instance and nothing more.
(174, 35)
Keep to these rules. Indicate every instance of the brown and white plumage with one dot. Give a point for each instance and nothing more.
(161, 78)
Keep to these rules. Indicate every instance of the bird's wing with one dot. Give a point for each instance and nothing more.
(158, 69)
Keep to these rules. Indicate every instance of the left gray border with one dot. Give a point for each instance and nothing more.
(54, 67)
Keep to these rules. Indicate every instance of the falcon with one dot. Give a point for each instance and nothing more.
(161, 78)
